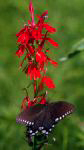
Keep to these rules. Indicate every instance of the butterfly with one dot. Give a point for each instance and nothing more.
(42, 118)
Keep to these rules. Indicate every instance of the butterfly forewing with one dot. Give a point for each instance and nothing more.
(30, 114)
(59, 110)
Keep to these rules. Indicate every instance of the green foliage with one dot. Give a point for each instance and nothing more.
(68, 17)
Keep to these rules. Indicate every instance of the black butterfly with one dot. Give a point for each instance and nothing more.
(42, 118)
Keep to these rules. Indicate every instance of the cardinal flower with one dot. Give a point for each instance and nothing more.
(20, 51)
(33, 72)
(25, 100)
(49, 28)
(31, 40)
(43, 100)
(47, 81)
(41, 57)
(52, 42)
(27, 103)
(55, 64)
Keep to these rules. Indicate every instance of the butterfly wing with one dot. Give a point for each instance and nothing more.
(28, 116)
(32, 118)
(60, 109)
(56, 112)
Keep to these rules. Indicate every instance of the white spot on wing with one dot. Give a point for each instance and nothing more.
(41, 128)
(33, 134)
(65, 114)
(36, 132)
(44, 131)
(30, 123)
(27, 122)
(56, 119)
(53, 126)
(30, 131)
(47, 133)
(60, 118)
(50, 129)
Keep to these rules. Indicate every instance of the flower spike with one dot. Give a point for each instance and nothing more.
(31, 47)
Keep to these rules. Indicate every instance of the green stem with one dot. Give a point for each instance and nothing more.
(35, 143)
(39, 142)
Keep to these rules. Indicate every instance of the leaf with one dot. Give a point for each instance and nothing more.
(76, 49)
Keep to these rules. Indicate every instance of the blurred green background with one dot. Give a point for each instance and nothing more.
(68, 18)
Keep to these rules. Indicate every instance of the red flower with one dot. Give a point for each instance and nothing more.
(43, 101)
(20, 51)
(44, 14)
(31, 103)
(34, 72)
(23, 35)
(49, 28)
(40, 57)
(23, 38)
(37, 34)
(26, 103)
(41, 18)
(21, 31)
(48, 82)
(53, 62)
(53, 42)
(25, 100)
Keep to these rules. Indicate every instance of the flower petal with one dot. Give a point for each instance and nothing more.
(40, 57)
(23, 39)
(53, 42)
(20, 51)
(53, 62)
(49, 28)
